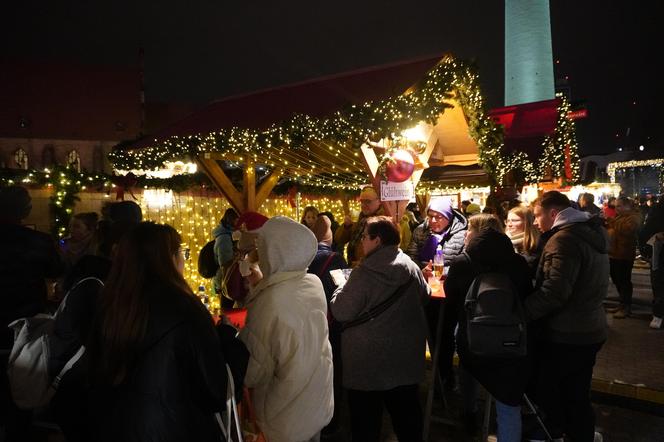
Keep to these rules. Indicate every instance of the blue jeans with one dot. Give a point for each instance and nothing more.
(508, 419)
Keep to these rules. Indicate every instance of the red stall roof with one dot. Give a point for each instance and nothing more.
(317, 97)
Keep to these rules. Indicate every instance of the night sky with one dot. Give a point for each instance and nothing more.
(198, 51)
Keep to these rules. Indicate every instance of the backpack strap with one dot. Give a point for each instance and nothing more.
(63, 303)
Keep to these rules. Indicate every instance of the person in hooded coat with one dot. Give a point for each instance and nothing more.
(504, 378)
(383, 359)
(286, 333)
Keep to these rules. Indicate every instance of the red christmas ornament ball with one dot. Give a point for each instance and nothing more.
(401, 168)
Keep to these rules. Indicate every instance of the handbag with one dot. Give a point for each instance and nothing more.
(232, 416)
(377, 310)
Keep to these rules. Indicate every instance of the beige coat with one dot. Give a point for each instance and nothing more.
(290, 368)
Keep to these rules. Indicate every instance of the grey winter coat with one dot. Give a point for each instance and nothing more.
(572, 281)
(452, 241)
(388, 351)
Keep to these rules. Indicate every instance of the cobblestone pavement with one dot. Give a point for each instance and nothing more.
(633, 354)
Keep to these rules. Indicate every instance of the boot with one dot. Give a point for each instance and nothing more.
(624, 312)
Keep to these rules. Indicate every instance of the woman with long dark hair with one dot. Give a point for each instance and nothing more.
(156, 368)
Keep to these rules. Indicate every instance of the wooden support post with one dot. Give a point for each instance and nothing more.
(221, 182)
(266, 187)
(249, 186)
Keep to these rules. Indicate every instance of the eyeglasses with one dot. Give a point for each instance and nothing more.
(186, 251)
(435, 217)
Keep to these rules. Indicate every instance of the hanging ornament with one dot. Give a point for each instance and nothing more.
(399, 166)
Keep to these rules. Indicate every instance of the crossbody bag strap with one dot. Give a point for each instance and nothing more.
(377, 310)
(326, 264)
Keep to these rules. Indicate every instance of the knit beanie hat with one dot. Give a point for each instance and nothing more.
(322, 229)
(442, 206)
(251, 220)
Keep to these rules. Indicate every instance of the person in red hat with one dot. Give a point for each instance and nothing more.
(236, 287)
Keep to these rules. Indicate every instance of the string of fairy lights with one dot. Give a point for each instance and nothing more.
(297, 144)
(657, 164)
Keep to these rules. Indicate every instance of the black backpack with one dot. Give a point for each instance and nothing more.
(207, 264)
(495, 318)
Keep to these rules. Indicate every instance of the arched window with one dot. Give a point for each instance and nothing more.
(21, 159)
(74, 160)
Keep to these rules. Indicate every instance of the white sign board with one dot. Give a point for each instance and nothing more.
(390, 191)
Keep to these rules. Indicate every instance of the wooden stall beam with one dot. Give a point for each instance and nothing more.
(267, 185)
(249, 185)
(221, 182)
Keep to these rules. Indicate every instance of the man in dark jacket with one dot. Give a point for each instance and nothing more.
(571, 283)
(27, 260)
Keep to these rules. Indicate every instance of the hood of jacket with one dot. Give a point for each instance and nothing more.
(569, 216)
(490, 248)
(285, 246)
(583, 226)
(458, 223)
(220, 230)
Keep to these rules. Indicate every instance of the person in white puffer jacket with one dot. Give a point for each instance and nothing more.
(290, 368)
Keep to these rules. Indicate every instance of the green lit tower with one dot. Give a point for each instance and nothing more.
(528, 53)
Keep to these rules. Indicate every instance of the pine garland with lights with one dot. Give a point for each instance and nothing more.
(372, 121)
(352, 126)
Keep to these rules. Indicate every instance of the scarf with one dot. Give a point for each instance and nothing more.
(428, 250)
(517, 241)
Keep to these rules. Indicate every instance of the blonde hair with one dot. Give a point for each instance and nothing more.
(483, 221)
(530, 232)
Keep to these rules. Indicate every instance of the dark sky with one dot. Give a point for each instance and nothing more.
(198, 50)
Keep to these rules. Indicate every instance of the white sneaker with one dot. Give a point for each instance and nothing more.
(656, 322)
(598, 437)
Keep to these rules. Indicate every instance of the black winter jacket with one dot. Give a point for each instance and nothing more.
(177, 384)
(505, 379)
(27, 259)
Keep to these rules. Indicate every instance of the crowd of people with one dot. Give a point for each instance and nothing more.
(338, 316)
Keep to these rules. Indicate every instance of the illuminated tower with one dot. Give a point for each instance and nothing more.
(528, 53)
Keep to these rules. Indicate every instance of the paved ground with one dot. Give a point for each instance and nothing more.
(633, 354)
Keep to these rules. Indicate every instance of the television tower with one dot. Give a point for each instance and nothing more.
(528, 52)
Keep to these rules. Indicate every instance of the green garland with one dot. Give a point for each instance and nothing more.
(373, 121)
(67, 183)
(355, 125)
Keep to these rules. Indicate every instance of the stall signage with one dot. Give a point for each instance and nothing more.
(391, 191)
(577, 114)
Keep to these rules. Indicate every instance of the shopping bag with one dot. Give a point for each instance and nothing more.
(250, 429)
